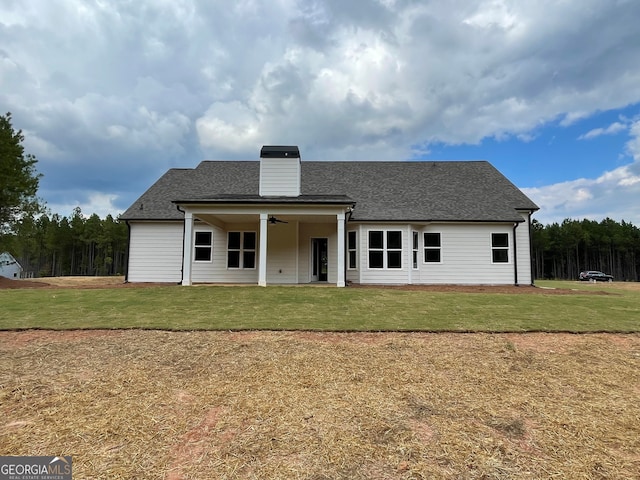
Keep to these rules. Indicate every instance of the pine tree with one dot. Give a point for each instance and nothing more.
(18, 178)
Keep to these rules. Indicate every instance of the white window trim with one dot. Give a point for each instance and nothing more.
(415, 249)
(354, 249)
(242, 250)
(425, 248)
(385, 250)
(507, 248)
(209, 246)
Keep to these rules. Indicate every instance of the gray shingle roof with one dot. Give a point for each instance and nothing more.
(387, 191)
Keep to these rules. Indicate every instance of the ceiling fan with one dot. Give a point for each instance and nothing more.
(273, 220)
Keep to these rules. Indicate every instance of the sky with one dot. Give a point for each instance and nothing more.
(111, 93)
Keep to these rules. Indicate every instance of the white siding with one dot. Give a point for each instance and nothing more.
(217, 270)
(289, 254)
(466, 256)
(383, 276)
(282, 259)
(280, 176)
(201, 271)
(155, 252)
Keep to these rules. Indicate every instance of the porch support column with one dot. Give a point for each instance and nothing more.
(186, 248)
(410, 249)
(262, 254)
(341, 243)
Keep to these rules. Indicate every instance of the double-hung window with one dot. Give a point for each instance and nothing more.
(241, 250)
(415, 249)
(385, 249)
(500, 247)
(203, 245)
(352, 250)
(432, 248)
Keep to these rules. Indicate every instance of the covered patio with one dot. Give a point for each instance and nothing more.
(266, 240)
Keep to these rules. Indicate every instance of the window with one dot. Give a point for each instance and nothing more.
(352, 250)
(432, 248)
(415, 250)
(394, 249)
(376, 249)
(241, 250)
(203, 246)
(500, 247)
(385, 249)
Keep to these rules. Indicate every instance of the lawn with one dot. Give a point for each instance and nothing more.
(581, 308)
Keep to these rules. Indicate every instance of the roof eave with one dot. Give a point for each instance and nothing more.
(269, 201)
(151, 219)
(436, 220)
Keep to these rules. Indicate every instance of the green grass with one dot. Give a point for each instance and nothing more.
(309, 308)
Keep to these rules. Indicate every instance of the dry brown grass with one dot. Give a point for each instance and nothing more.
(73, 281)
(194, 405)
(64, 282)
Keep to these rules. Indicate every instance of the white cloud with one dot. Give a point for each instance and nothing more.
(633, 145)
(573, 117)
(412, 73)
(94, 202)
(494, 14)
(613, 194)
(113, 93)
(40, 147)
(612, 129)
(229, 127)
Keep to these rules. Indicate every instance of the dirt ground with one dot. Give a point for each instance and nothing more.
(319, 406)
(118, 282)
(73, 282)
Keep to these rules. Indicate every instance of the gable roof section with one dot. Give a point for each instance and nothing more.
(210, 178)
(7, 259)
(420, 191)
(382, 191)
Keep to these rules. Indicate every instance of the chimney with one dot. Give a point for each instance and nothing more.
(279, 171)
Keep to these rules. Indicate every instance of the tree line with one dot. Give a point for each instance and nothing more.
(47, 244)
(562, 251)
(51, 245)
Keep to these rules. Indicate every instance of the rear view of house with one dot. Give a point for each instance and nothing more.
(281, 220)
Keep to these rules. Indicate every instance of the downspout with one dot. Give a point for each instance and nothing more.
(515, 256)
(531, 250)
(345, 261)
(126, 268)
(183, 233)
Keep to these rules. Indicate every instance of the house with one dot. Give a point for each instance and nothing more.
(9, 266)
(281, 220)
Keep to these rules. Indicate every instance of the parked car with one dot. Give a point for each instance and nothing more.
(595, 276)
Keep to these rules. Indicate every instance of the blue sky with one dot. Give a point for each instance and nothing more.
(554, 153)
(547, 91)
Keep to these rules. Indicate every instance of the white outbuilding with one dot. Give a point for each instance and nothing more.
(9, 266)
